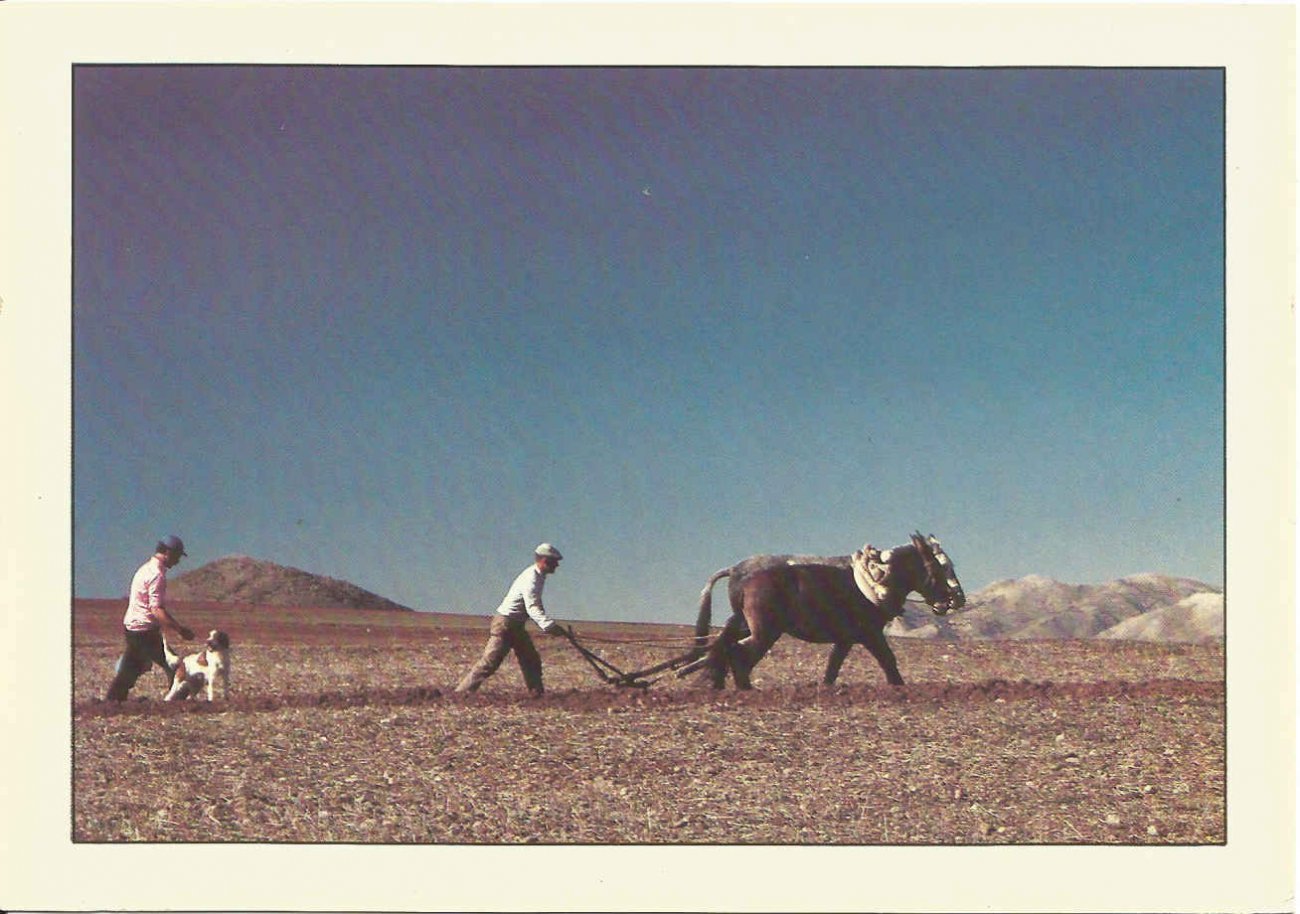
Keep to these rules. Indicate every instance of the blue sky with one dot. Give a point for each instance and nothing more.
(398, 325)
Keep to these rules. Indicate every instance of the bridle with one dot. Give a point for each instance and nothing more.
(939, 573)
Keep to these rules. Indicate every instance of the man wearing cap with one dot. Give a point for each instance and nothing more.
(145, 616)
(507, 633)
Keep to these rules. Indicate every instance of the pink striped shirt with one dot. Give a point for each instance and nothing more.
(145, 603)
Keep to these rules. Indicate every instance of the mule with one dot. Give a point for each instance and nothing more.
(836, 600)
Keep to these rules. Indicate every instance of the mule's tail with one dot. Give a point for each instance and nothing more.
(704, 648)
(704, 618)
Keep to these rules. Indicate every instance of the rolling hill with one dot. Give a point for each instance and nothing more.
(240, 579)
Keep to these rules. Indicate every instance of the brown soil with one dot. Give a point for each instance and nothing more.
(343, 727)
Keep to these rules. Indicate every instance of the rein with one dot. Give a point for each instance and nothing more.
(597, 639)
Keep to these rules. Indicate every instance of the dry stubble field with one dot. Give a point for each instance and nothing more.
(342, 728)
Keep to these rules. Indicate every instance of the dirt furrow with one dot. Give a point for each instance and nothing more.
(605, 699)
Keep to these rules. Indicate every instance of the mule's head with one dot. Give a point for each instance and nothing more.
(939, 585)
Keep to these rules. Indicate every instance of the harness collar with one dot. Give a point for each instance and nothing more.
(870, 571)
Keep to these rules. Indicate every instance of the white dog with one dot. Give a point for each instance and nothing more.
(201, 670)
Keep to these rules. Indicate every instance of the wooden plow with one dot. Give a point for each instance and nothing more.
(612, 675)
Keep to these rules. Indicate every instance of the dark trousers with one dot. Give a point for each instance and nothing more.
(143, 650)
(506, 635)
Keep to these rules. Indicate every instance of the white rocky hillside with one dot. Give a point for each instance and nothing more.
(1174, 609)
(1198, 618)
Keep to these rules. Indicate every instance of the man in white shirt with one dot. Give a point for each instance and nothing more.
(146, 613)
(507, 632)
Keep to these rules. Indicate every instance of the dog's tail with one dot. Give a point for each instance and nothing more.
(173, 659)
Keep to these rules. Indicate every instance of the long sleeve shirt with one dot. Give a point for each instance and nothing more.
(525, 597)
(145, 603)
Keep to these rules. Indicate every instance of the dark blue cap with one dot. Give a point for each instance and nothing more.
(172, 544)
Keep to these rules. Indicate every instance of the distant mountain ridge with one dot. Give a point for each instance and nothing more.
(241, 579)
(1140, 607)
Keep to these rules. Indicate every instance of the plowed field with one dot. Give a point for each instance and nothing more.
(342, 727)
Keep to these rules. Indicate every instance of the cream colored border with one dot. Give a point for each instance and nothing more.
(40, 869)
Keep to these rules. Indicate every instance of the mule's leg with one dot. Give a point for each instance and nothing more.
(738, 665)
(746, 653)
(759, 605)
(874, 640)
(835, 661)
(720, 650)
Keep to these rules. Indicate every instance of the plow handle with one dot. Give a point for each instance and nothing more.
(596, 661)
(636, 678)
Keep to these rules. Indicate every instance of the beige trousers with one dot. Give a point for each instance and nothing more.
(506, 635)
